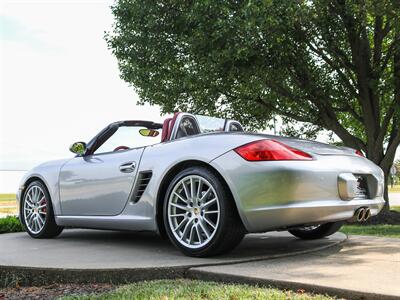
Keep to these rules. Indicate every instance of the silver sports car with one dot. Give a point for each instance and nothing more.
(203, 182)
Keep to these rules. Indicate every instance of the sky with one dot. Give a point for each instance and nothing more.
(58, 81)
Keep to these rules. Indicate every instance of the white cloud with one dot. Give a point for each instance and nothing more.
(58, 81)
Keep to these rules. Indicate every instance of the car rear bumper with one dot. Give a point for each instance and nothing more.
(307, 213)
(279, 194)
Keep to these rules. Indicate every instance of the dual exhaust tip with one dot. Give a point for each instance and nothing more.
(362, 214)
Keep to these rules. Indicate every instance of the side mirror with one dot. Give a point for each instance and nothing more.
(78, 148)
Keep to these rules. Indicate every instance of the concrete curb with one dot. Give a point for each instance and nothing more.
(288, 285)
(34, 276)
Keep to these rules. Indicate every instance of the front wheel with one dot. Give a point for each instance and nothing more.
(316, 231)
(200, 216)
(36, 212)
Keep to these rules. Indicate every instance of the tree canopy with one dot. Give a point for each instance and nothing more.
(333, 64)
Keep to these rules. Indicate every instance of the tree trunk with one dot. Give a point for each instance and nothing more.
(384, 214)
(378, 157)
(386, 208)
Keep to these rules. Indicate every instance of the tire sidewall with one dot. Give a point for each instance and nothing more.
(49, 209)
(222, 197)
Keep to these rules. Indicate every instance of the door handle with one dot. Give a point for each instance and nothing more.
(127, 167)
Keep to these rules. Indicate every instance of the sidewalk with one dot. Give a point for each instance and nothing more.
(362, 267)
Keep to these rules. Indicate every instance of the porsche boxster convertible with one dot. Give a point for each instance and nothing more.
(203, 182)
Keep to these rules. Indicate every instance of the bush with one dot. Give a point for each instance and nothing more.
(10, 224)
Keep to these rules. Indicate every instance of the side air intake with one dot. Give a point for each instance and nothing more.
(141, 185)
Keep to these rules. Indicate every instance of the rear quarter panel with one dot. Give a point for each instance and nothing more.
(161, 158)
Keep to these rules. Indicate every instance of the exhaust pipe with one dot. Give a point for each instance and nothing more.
(367, 214)
(362, 214)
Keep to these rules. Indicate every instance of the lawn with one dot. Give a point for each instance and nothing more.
(395, 208)
(196, 290)
(395, 189)
(7, 198)
(8, 210)
(383, 230)
(8, 204)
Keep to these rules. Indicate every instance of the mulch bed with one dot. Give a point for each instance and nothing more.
(54, 291)
(392, 218)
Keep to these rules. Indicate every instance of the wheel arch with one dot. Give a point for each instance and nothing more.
(169, 176)
(30, 180)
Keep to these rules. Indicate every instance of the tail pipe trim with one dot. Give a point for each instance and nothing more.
(362, 214)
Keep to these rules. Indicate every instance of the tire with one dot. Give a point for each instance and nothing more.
(318, 232)
(36, 212)
(201, 239)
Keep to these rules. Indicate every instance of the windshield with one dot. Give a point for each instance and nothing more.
(210, 124)
(127, 137)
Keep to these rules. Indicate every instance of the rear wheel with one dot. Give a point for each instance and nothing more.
(36, 212)
(200, 216)
(316, 231)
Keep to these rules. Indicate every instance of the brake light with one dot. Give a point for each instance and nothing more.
(358, 152)
(264, 150)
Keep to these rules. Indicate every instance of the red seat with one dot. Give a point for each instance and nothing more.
(168, 125)
(165, 129)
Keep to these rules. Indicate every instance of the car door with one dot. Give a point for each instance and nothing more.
(99, 183)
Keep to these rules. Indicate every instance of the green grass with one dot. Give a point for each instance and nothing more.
(384, 230)
(10, 224)
(196, 290)
(395, 208)
(7, 197)
(8, 205)
(8, 210)
(395, 189)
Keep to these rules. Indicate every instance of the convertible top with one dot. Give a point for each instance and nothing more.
(147, 124)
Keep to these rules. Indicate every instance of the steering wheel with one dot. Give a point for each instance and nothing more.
(121, 148)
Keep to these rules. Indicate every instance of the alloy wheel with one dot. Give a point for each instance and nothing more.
(193, 211)
(35, 209)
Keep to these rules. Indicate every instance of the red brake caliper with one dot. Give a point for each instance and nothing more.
(44, 209)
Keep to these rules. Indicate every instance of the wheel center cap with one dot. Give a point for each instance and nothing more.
(196, 211)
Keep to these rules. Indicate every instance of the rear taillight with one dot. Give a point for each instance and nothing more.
(358, 152)
(263, 150)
